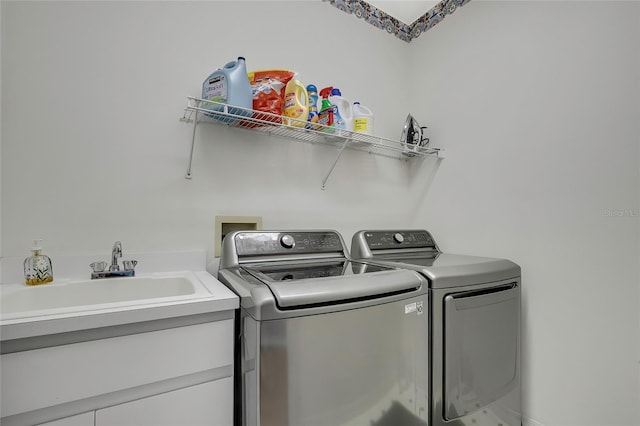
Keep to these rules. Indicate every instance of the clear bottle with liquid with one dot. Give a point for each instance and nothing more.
(37, 267)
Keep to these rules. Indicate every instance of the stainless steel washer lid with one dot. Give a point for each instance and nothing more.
(335, 289)
(416, 250)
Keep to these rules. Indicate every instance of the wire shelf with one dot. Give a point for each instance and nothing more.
(273, 124)
(205, 111)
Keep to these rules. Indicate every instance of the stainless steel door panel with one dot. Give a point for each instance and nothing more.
(334, 290)
(481, 348)
(366, 366)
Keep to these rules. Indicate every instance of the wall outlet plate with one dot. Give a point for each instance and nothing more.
(227, 224)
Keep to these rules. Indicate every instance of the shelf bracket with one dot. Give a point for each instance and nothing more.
(335, 162)
(193, 141)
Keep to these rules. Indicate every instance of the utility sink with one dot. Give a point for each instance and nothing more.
(61, 297)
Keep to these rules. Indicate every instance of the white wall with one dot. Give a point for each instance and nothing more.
(537, 105)
(93, 150)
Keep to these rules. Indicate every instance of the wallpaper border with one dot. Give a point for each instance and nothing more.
(380, 19)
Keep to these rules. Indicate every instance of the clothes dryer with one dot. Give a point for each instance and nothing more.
(474, 326)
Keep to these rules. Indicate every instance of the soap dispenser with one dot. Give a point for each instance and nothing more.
(37, 267)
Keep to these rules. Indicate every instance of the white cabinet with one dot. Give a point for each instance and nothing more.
(206, 404)
(172, 371)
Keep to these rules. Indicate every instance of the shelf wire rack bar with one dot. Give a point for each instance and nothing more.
(205, 111)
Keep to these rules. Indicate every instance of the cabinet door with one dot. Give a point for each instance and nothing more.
(206, 404)
(85, 419)
(63, 374)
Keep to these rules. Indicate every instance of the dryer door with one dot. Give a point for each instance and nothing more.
(481, 347)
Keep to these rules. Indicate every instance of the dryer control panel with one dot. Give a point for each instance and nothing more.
(382, 240)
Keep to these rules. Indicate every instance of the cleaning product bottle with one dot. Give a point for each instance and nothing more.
(327, 111)
(229, 85)
(312, 91)
(37, 267)
(362, 119)
(296, 103)
(343, 112)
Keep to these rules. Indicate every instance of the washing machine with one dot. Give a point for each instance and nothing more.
(322, 340)
(474, 332)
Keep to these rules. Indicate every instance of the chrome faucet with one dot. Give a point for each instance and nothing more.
(99, 268)
(116, 252)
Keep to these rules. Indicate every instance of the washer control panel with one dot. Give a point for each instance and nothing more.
(278, 243)
(382, 240)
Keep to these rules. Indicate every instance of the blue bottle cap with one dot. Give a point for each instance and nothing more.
(336, 92)
(311, 88)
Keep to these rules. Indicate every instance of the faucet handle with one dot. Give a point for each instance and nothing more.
(129, 265)
(98, 266)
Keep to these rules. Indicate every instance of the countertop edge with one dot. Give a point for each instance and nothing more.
(221, 299)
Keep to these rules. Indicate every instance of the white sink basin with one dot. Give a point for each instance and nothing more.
(59, 297)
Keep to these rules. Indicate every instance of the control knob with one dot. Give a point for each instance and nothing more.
(287, 241)
(398, 238)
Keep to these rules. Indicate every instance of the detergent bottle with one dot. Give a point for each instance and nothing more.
(327, 111)
(296, 102)
(343, 112)
(362, 119)
(229, 85)
(312, 91)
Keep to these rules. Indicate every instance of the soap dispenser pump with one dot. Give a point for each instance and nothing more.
(37, 267)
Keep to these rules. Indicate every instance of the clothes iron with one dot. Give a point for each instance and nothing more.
(412, 136)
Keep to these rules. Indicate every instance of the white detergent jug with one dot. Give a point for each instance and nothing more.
(343, 114)
(362, 119)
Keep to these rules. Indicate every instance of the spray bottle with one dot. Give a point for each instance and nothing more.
(326, 115)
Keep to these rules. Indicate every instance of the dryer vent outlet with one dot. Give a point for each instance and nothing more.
(227, 224)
